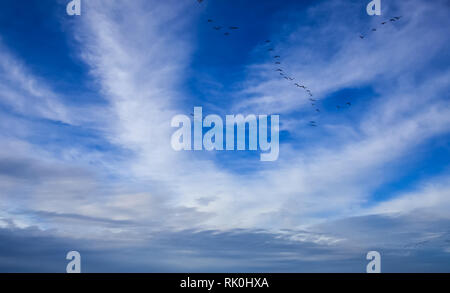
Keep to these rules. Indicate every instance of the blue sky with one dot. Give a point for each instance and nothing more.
(86, 162)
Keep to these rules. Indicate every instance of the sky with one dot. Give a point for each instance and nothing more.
(86, 163)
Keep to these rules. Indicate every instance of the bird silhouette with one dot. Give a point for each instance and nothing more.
(362, 36)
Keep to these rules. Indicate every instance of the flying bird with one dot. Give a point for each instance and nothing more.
(362, 37)
(234, 27)
(227, 34)
(270, 50)
(279, 69)
(217, 28)
(348, 104)
(267, 41)
(277, 56)
(277, 62)
(384, 22)
(210, 20)
(374, 29)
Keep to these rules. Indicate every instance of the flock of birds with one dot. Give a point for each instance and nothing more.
(292, 80)
(394, 19)
(279, 69)
(222, 28)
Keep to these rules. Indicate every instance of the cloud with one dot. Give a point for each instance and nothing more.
(124, 183)
(402, 249)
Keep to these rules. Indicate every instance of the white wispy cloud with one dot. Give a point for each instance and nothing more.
(140, 60)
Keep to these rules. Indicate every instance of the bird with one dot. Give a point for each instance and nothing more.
(277, 56)
(210, 20)
(361, 36)
(338, 107)
(384, 22)
(348, 104)
(270, 50)
(267, 41)
(392, 19)
(277, 62)
(279, 69)
(234, 27)
(317, 110)
(199, 1)
(313, 100)
(227, 34)
(217, 28)
(291, 78)
(374, 29)
(397, 17)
